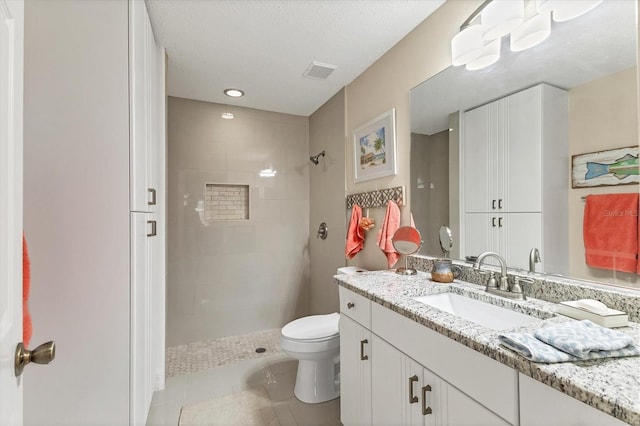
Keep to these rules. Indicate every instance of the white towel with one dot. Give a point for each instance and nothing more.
(580, 338)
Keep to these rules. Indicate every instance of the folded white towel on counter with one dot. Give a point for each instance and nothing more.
(580, 338)
(536, 350)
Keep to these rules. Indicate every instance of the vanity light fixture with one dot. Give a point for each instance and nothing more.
(527, 22)
(234, 93)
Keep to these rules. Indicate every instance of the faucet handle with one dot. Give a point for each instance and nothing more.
(516, 287)
(492, 283)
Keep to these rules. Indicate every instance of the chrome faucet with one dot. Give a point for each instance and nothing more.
(534, 257)
(502, 288)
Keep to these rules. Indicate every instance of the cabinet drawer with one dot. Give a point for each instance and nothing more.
(355, 306)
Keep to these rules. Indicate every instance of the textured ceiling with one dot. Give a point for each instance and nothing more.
(264, 46)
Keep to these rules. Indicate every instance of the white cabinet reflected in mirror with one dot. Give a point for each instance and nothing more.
(467, 172)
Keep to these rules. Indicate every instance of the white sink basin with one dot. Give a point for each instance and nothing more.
(482, 313)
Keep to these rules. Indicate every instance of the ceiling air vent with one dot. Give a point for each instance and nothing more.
(319, 71)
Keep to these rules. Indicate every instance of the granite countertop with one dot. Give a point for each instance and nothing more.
(610, 385)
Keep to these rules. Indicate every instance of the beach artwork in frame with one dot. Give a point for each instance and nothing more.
(605, 168)
(375, 147)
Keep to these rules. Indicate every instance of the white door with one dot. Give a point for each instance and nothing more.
(11, 64)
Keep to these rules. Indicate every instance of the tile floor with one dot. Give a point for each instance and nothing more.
(271, 374)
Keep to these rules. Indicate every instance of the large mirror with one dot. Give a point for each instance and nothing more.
(592, 58)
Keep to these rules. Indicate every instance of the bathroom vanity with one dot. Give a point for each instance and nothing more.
(406, 362)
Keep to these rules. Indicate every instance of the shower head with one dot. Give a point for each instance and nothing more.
(315, 159)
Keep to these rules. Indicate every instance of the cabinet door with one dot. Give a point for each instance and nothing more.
(477, 161)
(143, 74)
(542, 405)
(428, 410)
(390, 385)
(142, 239)
(479, 233)
(355, 373)
(523, 152)
(461, 410)
(520, 232)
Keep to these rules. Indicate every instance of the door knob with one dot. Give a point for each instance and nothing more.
(43, 354)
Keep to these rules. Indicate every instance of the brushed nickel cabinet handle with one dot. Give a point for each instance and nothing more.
(500, 203)
(425, 410)
(153, 228)
(363, 357)
(500, 222)
(152, 191)
(412, 398)
(493, 204)
(493, 222)
(350, 305)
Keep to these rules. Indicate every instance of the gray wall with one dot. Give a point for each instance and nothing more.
(233, 277)
(327, 204)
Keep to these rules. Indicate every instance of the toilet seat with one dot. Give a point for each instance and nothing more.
(315, 328)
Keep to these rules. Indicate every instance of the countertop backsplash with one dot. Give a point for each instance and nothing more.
(551, 288)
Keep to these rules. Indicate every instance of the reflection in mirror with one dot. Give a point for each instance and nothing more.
(446, 240)
(593, 60)
(406, 240)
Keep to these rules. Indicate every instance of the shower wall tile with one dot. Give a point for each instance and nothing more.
(228, 277)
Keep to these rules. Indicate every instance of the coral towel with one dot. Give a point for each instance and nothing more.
(610, 231)
(389, 226)
(355, 235)
(27, 327)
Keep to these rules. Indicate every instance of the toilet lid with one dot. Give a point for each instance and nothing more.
(312, 327)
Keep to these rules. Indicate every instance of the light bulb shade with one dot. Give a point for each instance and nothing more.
(467, 45)
(564, 10)
(500, 17)
(532, 32)
(490, 55)
(227, 115)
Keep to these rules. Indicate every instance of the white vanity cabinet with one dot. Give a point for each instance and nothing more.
(512, 152)
(541, 405)
(395, 371)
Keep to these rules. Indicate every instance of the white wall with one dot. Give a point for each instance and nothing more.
(76, 209)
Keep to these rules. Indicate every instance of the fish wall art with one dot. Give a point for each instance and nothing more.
(605, 168)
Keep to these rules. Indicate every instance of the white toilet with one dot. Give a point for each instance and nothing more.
(315, 342)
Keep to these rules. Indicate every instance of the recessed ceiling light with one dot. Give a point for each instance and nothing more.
(234, 93)
(227, 115)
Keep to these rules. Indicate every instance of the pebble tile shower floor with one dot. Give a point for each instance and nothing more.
(199, 356)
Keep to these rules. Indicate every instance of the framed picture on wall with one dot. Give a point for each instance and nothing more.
(605, 168)
(374, 145)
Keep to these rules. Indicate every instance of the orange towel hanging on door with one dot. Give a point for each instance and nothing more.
(610, 231)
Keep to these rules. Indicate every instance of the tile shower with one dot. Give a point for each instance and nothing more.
(245, 269)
